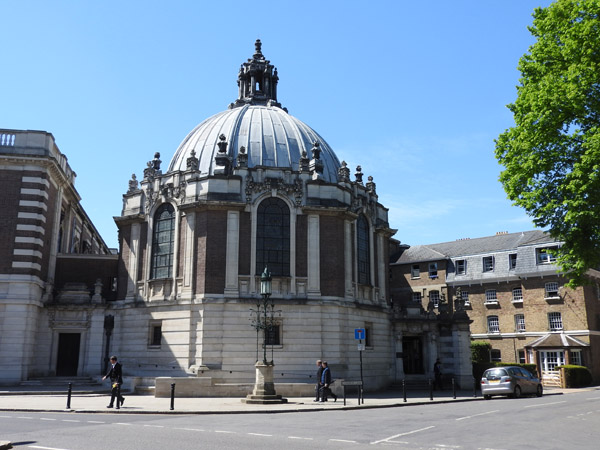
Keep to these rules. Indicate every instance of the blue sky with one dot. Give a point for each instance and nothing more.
(414, 92)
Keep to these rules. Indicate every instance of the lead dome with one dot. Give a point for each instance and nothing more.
(256, 121)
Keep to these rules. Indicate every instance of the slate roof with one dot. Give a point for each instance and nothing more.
(466, 247)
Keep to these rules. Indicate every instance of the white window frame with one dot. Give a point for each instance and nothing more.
(491, 296)
(555, 322)
(465, 297)
(575, 356)
(517, 295)
(415, 271)
(493, 325)
(489, 267)
(551, 289)
(434, 296)
(512, 261)
(542, 256)
(520, 323)
(459, 263)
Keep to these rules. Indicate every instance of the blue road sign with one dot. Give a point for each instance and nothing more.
(359, 333)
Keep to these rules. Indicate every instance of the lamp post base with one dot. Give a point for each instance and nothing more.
(264, 388)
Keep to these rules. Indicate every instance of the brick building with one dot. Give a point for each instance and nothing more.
(248, 188)
(513, 294)
(55, 270)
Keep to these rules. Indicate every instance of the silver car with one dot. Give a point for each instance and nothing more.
(513, 381)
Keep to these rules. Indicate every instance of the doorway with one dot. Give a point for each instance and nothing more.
(67, 360)
(412, 349)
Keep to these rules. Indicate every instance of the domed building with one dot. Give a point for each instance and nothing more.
(251, 188)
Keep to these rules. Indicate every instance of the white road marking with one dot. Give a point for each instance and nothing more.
(121, 423)
(298, 437)
(155, 426)
(45, 448)
(95, 421)
(403, 434)
(545, 404)
(259, 434)
(446, 446)
(188, 429)
(343, 440)
(476, 415)
(6, 417)
(70, 420)
(593, 398)
(46, 418)
(228, 432)
(24, 417)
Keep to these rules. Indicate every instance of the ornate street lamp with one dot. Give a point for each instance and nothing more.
(264, 388)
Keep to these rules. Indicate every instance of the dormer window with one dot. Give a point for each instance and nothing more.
(546, 255)
(488, 263)
(433, 270)
(461, 267)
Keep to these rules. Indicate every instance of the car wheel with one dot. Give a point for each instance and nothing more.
(487, 397)
(540, 390)
(517, 393)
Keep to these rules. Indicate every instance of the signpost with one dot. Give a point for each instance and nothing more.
(360, 335)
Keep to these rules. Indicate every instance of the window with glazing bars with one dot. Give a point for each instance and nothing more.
(273, 237)
(493, 324)
(416, 297)
(519, 322)
(555, 321)
(363, 253)
(434, 297)
(163, 235)
(517, 294)
(551, 289)
(490, 295)
(488, 263)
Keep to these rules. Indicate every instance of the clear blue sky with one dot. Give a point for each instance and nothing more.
(414, 92)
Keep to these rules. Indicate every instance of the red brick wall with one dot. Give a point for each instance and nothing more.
(301, 246)
(10, 185)
(245, 246)
(331, 232)
(211, 232)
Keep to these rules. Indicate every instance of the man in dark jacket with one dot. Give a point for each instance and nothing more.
(325, 383)
(115, 373)
(318, 386)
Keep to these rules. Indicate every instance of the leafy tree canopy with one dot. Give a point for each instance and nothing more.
(552, 154)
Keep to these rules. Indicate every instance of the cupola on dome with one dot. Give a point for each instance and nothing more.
(270, 136)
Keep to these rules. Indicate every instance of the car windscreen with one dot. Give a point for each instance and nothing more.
(495, 373)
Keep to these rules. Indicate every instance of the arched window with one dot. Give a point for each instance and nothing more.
(363, 241)
(163, 236)
(273, 237)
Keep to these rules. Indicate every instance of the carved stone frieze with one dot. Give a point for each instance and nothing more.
(295, 188)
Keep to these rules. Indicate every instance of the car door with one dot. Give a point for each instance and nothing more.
(528, 385)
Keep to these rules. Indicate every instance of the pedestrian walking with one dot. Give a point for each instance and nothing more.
(318, 385)
(326, 383)
(115, 374)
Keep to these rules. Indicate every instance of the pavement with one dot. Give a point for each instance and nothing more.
(95, 401)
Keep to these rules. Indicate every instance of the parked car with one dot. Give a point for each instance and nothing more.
(513, 381)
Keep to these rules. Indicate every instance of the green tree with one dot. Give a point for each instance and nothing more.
(552, 154)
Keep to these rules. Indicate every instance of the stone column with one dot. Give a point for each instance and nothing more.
(132, 264)
(348, 266)
(232, 252)
(381, 282)
(189, 253)
(313, 252)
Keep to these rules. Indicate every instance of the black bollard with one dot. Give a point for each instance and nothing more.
(172, 396)
(404, 390)
(430, 389)
(69, 396)
(453, 389)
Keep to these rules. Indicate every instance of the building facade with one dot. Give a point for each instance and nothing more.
(514, 295)
(56, 272)
(250, 188)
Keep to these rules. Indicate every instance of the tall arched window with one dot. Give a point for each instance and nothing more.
(363, 255)
(273, 237)
(163, 236)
